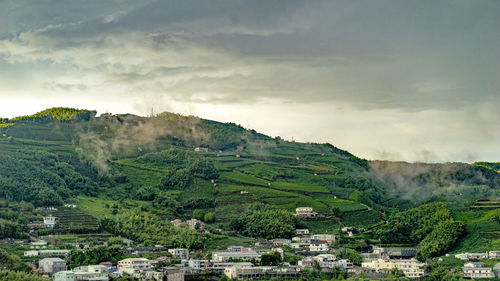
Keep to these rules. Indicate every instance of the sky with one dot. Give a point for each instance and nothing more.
(413, 80)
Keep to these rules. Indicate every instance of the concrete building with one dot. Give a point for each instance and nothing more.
(471, 256)
(477, 270)
(317, 246)
(494, 254)
(179, 253)
(412, 268)
(52, 265)
(31, 254)
(84, 273)
(328, 238)
(251, 272)
(174, 274)
(135, 263)
(304, 231)
(304, 212)
(54, 253)
(243, 254)
(50, 221)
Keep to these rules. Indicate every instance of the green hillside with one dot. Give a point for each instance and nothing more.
(118, 168)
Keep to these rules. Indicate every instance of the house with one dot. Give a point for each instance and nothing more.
(244, 254)
(324, 237)
(54, 253)
(319, 246)
(304, 212)
(201, 149)
(412, 268)
(52, 265)
(477, 270)
(135, 263)
(50, 221)
(41, 244)
(144, 250)
(494, 254)
(326, 260)
(471, 256)
(280, 242)
(84, 273)
(241, 272)
(304, 231)
(182, 254)
(173, 274)
(31, 253)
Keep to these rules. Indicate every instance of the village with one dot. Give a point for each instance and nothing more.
(265, 259)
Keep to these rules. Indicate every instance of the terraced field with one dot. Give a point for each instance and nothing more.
(74, 219)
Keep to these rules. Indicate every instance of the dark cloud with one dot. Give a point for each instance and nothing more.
(397, 56)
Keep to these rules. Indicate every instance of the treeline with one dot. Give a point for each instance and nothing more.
(430, 226)
(40, 177)
(150, 230)
(265, 221)
(96, 255)
(59, 114)
(8, 275)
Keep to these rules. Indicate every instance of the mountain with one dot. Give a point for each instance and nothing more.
(118, 168)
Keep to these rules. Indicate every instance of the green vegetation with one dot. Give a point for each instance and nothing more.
(7, 275)
(264, 221)
(59, 114)
(131, 175)
(431, 226)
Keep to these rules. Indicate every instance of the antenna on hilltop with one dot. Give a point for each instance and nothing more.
(152, 112)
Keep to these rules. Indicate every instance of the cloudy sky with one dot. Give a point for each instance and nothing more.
(400, 80)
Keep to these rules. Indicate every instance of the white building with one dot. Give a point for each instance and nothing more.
(244, 254)
(50, 221)
(494, 254)
(304, 231)
(471, 256)
(476, 270)
(329, 238)
(84, 273)
(179, 253)
(304, 212)
(135, 263)
(412, 268)
(52, 265)
(319, 247)
(54, 253)
(31, 253)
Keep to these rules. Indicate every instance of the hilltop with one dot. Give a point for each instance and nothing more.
(118, 168)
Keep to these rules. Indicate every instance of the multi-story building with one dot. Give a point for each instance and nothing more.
(49, 221)
(494, 254)
(319, 246)
(52, 265)
(471, 256)
(304, 212)
(412, 268)
(135, 263)
(179, 253)
(244, 254)
(84, 273)
(54, 253)
(304, 231)
(328, 238)
(477, 270)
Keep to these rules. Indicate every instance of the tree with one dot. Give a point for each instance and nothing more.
(272, 259)
(209, 217)
(351, 255)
